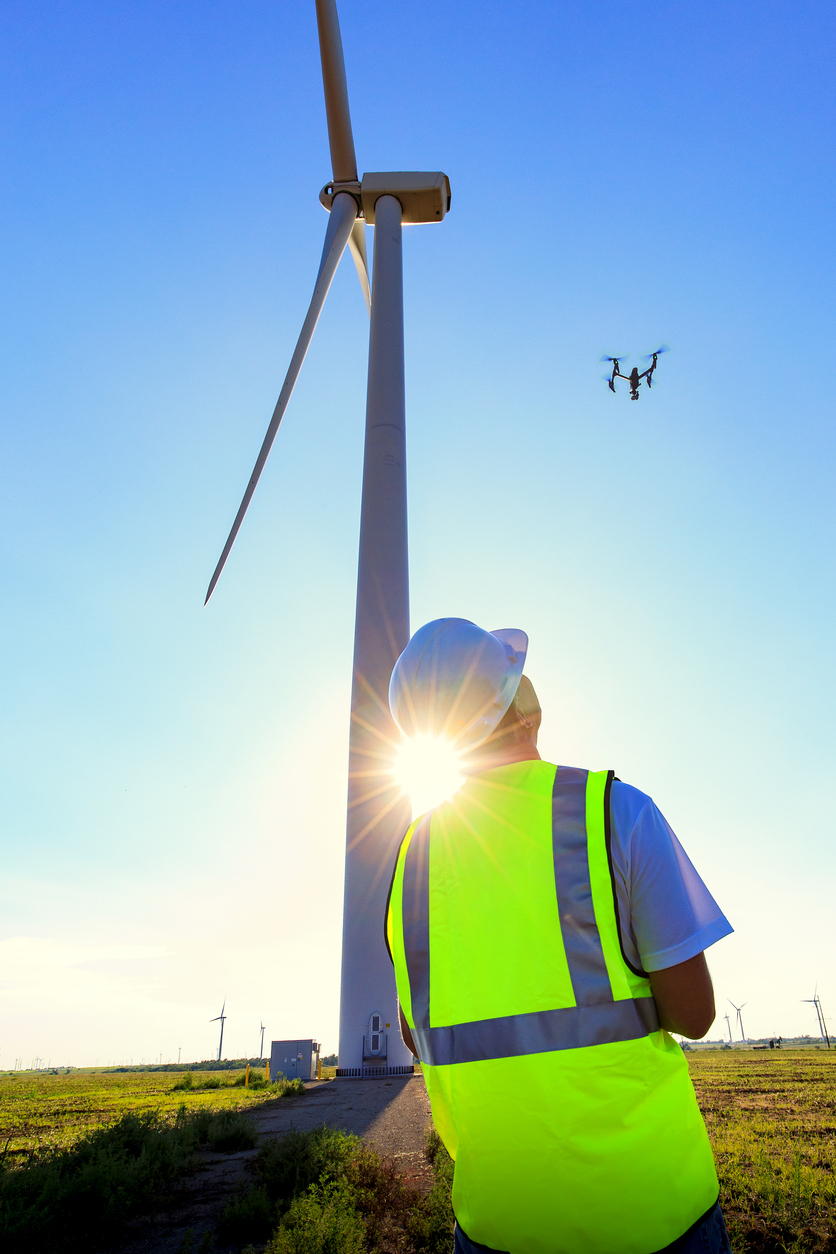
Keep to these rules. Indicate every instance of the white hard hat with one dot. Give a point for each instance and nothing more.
(456, 680)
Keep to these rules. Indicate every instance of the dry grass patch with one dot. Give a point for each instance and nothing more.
(772, 1122)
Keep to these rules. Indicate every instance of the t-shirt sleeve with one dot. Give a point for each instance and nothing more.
(667, 913)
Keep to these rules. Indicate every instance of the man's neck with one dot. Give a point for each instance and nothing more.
(521, 751)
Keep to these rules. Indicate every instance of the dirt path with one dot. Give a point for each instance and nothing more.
(392, 1115)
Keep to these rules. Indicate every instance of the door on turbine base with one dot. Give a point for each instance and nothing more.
(376, 1040)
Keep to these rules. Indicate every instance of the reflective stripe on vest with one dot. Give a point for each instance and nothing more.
(597, 1016)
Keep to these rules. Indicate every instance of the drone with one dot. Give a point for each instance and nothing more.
(634, 378)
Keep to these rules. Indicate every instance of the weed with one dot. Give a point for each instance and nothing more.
(187, 1245)
(227, 1131)
(327, 1192)
(323, 1221)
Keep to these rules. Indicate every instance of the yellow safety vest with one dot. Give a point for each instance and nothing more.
(569, 1112)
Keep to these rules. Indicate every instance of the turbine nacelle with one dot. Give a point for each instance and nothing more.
(424, 196)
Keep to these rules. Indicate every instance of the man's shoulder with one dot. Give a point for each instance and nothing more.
(628, 798)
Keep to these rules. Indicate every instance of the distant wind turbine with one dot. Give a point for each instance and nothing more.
(739, 1018)
(222, 1017)
(261, 1054)
(728, 1028)
(815, 1000)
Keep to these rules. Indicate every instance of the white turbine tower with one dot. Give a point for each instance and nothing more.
(815, 1000)
(739, 1018)
(223, 1019)
(378, 812)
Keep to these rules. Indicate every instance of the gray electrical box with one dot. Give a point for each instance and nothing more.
(295, 1060)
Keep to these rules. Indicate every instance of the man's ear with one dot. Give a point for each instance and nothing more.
(527, 705)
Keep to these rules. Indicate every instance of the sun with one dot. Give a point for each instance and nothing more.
(428, 770)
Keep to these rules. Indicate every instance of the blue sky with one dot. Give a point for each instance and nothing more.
(172, 779)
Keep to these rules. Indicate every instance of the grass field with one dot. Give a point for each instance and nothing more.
(772, 1122)
(771, 1118)
(42, 1112)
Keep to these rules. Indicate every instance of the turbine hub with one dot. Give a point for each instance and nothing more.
(424, 196)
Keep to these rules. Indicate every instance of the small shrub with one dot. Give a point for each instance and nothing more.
(282, 1170)
(230, 1132)
(188, 1246)
(290, 1088)
(324, 1221)
(250, 1216)
(432, 1221)
(330, 1193)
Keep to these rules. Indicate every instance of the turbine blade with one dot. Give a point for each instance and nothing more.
(343, 215)
(340, 138)
(357, 244)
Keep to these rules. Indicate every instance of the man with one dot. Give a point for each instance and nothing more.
(547, 932)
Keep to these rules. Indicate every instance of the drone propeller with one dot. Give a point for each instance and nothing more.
(664, 349)
(616, 358)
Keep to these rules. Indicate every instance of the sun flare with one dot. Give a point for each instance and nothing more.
(428, 769)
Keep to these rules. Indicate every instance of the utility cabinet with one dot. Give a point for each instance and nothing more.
(295, 1060)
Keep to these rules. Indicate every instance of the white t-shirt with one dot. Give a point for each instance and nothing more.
(667, 913)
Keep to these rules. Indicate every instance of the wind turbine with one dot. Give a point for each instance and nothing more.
(728, 1028)
(739, 1018)
(378, 812)
(815, 1000)
(261, 1054)
(222, 1018)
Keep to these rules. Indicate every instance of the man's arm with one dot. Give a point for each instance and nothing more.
(406, 1034)
(684, 997)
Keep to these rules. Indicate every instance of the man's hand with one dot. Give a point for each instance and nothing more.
(684, 997)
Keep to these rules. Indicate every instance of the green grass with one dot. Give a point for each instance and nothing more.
(771, 1118)
(71, 1201)
(772, 1122)
(39, 1113)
